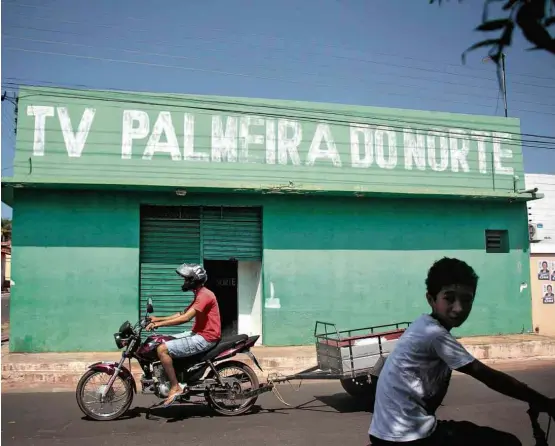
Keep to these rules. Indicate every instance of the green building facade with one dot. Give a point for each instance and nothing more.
(299, 211)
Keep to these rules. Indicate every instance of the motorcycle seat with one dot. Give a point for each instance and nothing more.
(223, 345)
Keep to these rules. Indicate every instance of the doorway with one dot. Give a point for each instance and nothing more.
(222, 281)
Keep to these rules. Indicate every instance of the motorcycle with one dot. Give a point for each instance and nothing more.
(214, 387)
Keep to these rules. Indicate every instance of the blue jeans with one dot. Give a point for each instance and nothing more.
(187, 344)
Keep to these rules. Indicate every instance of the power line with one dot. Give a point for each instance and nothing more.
(140, 52)
(73, 22)
(288, 112)
(229, 73)
(124, 97)
(315, 43)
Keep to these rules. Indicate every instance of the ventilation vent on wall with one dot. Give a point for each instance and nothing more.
(497, 241)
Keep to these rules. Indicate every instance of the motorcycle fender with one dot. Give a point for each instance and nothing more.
(253, 358)
(109, 368)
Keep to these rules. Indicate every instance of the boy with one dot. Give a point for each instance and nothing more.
(416, 375)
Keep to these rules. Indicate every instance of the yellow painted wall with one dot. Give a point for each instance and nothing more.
(543, 304)
(8, 266)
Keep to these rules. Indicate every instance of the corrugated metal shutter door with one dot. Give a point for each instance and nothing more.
(169, 236)
(229, 232)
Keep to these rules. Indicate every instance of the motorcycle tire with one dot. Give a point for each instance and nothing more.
(250, 402)
(79, 396)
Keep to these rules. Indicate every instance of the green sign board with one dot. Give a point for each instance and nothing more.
(106, 137)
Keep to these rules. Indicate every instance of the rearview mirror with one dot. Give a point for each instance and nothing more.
(149, 307)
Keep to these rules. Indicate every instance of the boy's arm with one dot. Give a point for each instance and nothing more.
(507, 385)
(458, 358)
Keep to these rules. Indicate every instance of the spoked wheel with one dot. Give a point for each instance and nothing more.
(89, 393)
(241, 378)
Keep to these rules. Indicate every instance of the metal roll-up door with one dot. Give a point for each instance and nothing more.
(169, 236)
(231, 232)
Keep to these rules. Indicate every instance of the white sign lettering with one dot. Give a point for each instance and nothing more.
(75, 142)
(40, 114)
(222, 138)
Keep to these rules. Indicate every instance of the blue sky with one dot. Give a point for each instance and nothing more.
(393, 53)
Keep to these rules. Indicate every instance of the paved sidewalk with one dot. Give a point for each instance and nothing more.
(62, 370)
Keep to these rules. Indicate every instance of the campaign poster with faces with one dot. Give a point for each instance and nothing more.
(548, 295)
(546, 270)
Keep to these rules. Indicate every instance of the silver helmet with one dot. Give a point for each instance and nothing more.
(194, 275)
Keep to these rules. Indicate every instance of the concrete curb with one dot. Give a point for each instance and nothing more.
(63, 370)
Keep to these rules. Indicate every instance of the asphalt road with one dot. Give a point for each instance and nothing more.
(321, 414)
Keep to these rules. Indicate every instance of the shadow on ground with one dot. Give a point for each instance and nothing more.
(337, 403)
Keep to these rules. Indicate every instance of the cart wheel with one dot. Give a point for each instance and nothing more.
(361, 388)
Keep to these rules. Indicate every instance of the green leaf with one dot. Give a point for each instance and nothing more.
(509, 5)
(493, 25)
(481, 44)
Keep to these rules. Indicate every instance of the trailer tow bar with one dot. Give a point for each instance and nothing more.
(313, 373)
(268, 387)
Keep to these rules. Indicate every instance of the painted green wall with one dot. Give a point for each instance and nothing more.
(356, 262)
(76, 269)
(115, 138)
(361, 263)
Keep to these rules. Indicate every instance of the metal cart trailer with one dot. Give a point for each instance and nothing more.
(354, 357)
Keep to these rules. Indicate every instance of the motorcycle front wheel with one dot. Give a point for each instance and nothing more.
(119, 397)
(242, 380)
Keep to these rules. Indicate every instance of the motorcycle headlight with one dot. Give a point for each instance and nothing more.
(120, 342)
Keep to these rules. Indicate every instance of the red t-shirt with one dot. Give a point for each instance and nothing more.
(207, 320)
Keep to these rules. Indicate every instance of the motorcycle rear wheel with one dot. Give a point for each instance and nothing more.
(247, 405)
(128, 397)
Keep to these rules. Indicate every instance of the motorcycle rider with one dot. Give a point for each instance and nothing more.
(206, 330)
(416, 375)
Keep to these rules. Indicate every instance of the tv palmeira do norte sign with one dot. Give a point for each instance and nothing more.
(250, 138)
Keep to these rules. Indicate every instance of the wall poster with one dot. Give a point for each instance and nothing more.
(548, 296)
(546, 270)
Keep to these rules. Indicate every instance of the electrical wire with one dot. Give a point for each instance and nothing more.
(208, 105)
(350, 79)
(251, 42)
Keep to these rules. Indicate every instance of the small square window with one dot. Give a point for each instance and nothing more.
(497, 241)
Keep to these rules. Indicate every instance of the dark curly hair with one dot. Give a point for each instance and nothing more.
(450, 271)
